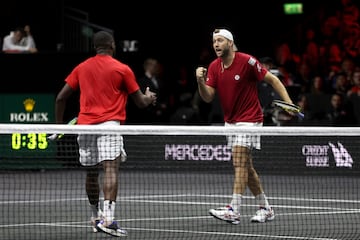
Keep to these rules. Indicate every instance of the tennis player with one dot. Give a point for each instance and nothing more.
(104, 84)
(234, 75)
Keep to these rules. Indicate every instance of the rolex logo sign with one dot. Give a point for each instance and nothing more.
(29, 104)
(29, 108)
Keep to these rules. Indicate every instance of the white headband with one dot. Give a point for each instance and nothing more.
(224, 33)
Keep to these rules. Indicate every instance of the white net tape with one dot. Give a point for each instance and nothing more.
(178, 130)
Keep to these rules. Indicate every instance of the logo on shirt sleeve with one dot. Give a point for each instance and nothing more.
(252, 61)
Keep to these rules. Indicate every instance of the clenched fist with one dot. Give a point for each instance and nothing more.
(201, 73)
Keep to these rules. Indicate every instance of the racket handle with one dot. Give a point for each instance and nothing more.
(55, 136)
(52, 137)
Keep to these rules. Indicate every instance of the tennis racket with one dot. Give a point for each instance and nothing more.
(288, 107)
(56, 136)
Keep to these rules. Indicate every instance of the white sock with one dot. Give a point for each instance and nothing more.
(109, 209)
(236, 202)
(262, 200)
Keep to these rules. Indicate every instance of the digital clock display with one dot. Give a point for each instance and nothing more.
(31, 141)
(27, 151)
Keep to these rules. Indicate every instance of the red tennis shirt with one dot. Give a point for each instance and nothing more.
(104, 85)
(237, 87)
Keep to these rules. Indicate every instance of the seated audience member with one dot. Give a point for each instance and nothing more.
(354, 83)
(12, 43)
(28, 39)
(339, 115)
(317, 85)
(308, 119)
(266, 92)
(342, 84)
(152, 78)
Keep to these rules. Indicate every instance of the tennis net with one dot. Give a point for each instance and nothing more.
(173, 175)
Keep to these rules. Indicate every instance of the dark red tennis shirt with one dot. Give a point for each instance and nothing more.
(236, 87)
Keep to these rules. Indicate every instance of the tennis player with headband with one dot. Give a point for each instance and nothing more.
(234, 76)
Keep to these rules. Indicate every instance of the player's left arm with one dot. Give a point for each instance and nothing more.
(278, 86)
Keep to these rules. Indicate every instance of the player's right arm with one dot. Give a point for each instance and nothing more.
(206, 92)
(277, 85)
(60, 102)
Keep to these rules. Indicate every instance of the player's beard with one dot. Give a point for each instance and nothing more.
(226, 52)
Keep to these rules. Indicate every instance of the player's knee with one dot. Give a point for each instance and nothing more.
(240, 163)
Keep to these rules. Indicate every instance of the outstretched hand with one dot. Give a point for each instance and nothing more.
(151, 95)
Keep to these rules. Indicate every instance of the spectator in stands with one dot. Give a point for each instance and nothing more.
(329, 29)
(339, 115)
(349, 11)
(266, 92)
(348, 66)
(288, 74)
(353, 95)
(152, 79)
(28, 39)
(303, 103)
(304, 76)
(311, 49)
(355, 83)
(13, 43)
(283, 52)
(335, 55)
(104, 85)
(342, 84)
(330, 78)
(317, 85)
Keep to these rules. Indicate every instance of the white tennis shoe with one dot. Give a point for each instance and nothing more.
(111, 228)
(263, 215)
(226, 214)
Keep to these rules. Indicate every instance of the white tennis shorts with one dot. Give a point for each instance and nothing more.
(245, 140)
(95, 148)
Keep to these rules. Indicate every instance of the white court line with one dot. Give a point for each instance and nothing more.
(167, 219)
(72, 225)
(133, 199)
(223, 203)
(247, 197)
(185, 195)
(232, 234)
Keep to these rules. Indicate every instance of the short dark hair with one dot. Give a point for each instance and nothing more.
(21, 30)
(103, 39)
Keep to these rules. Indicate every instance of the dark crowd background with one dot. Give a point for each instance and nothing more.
(316, 54)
